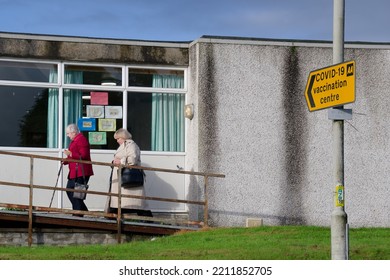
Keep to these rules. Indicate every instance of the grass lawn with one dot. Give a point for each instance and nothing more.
(257, 243)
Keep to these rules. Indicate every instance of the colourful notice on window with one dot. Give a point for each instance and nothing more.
(107, 124)
(99, 98)
(97, 138)
(87, 124)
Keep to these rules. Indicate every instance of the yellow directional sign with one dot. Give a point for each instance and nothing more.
(331, 86)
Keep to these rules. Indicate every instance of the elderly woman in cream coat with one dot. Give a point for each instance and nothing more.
(127, 153)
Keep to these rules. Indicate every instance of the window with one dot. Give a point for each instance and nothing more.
(156, 121)
(24, 116)
(161, 112)
(93, 75)
(147, 78)
(27, 71)
(97, 110)
(40, 98)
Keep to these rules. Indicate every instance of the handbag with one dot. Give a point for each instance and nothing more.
(132, 177)
(79, 186)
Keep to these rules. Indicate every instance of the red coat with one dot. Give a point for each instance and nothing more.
(79, 147)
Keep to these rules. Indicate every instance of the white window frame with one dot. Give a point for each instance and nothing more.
(125, 88)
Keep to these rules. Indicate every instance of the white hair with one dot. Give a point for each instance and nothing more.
(73, 128)
(122, 133)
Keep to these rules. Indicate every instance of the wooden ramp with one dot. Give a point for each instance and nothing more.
(46, 219)
(90, 225)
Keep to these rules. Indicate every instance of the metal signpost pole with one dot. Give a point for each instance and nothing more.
(339, 216)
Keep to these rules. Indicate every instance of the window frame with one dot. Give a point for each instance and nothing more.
(124, 88)
(162, 90)
(32, 84)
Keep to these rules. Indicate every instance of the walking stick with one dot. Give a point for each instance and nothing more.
(58, 176)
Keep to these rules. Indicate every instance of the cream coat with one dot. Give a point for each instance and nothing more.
(128, 153)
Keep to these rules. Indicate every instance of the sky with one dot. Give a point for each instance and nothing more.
(188, 20)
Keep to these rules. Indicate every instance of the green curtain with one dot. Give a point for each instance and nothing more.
(168, 115)
(52, 113)
(73, 106)
(73, 101)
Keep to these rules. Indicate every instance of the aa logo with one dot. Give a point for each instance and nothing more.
(350, 69)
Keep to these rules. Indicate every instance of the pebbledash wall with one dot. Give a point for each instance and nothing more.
(251, 123)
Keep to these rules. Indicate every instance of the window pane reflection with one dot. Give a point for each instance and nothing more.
(147, 78)
(156, 121)
(28, 72)
(23, 116)
(93, 75)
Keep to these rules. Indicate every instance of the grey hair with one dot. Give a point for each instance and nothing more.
(73, 128)
(122, 133)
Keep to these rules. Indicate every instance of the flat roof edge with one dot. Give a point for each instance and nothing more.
(76, 39)
(287, 42)
(203, 39)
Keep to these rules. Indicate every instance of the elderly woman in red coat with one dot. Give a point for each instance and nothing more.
(78, 149)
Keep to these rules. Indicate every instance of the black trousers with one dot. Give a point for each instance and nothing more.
(77, 204)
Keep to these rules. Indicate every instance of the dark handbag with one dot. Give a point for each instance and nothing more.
(132, 177)
(80, 187)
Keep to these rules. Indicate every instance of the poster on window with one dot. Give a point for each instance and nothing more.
(113, 112)
(87, 124)
(97, 138)
(107, 124)
(94, 111)
(99, 98)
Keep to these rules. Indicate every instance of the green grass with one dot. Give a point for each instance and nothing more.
(259, 243)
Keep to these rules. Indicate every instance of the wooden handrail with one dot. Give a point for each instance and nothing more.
(119, 215)
(217, 175)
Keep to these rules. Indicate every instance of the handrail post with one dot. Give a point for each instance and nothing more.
(206, 202)
(119, 213)
(30, 203)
